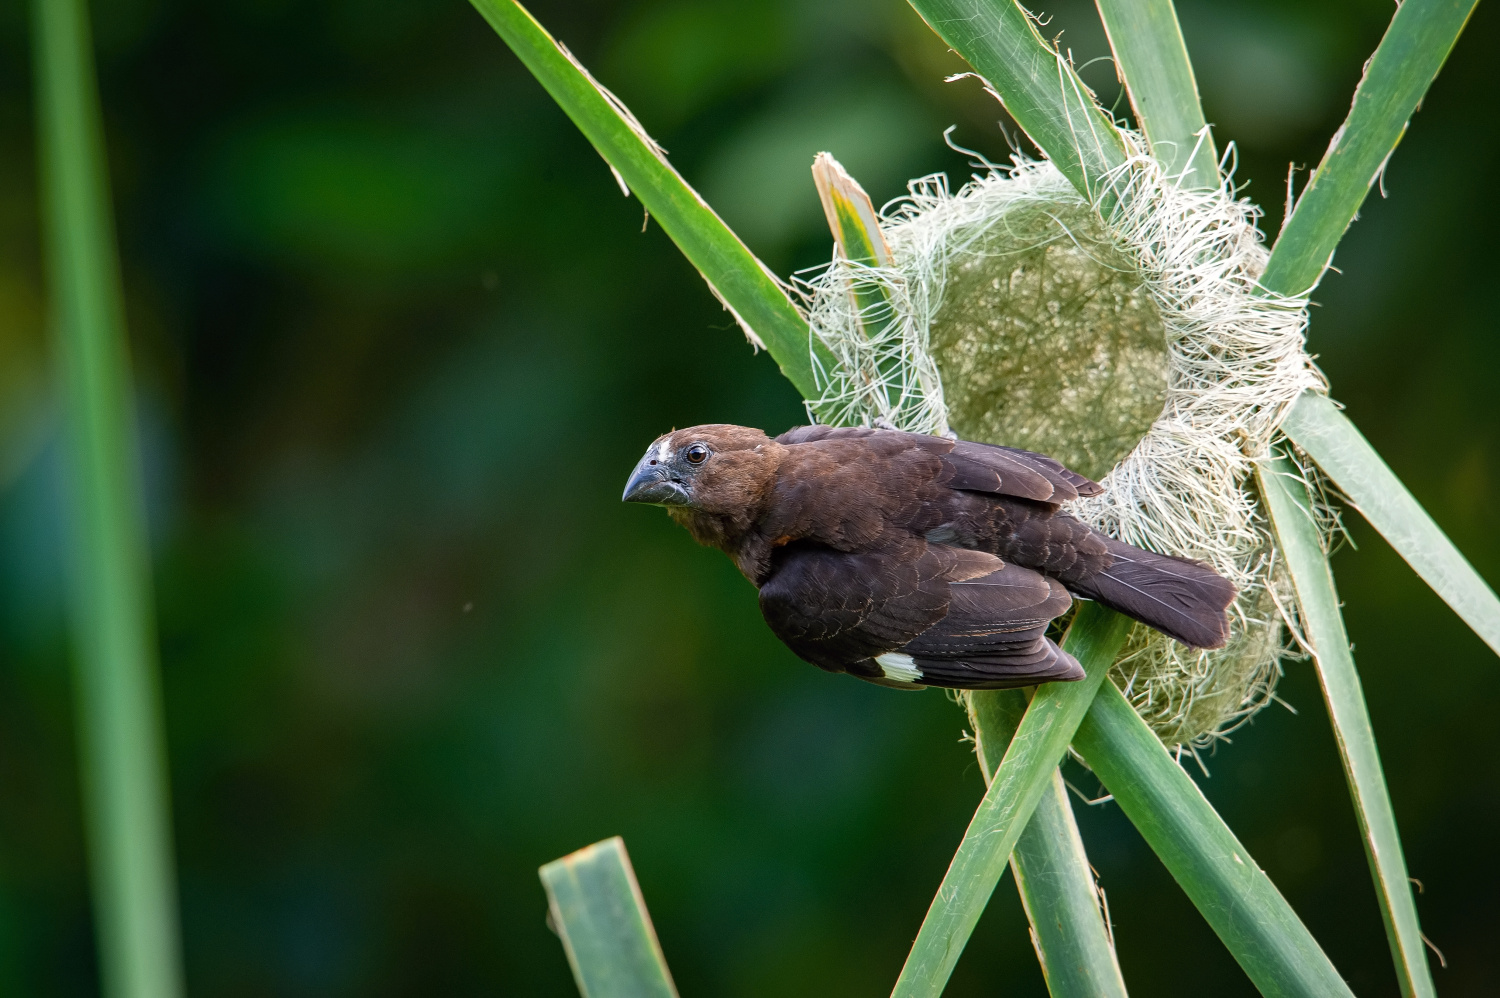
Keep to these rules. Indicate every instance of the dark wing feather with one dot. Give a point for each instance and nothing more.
(990, 611)
(1010, 472)
(971, 466)
(1052, 466)
(994, 636)
(961, 618)
(1183, 599)
(833, 608)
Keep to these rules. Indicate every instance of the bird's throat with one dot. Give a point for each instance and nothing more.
(736, 536)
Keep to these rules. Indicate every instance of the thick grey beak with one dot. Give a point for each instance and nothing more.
(651, 483)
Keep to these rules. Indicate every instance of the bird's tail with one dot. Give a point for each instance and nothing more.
(1183, 599)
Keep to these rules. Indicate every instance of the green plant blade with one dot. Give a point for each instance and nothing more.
(596, 908)
(1404, 65)
(1062, 902)
(1051, 868)
(755, 298)
(122, 751)
(1037, 86)
(1020, 781)
(1236, 897)
(1292, 518)
(1328, 436)
(1153, 61)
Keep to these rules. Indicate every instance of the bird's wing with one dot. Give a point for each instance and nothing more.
(995, 634)
(816, 432)
(834, 607)
(966, 465)
(1052, 466)
(934, 616)
(1010, 472)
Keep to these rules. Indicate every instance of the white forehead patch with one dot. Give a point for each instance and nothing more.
(664, 450)
(899, 666)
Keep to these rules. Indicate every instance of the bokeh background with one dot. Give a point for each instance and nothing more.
(398, 340)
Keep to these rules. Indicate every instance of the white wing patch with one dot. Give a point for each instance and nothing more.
(899, 666)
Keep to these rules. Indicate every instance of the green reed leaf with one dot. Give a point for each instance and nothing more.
(1037, 85)
(122, 751)
(595, 906)
(1052, 871)
(1153, 61)
(1414, 48)
(1020, 780)
(1287, 499)
(1235, 896)
(1317, 426)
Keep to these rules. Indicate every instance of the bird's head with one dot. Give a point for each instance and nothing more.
(717, 469)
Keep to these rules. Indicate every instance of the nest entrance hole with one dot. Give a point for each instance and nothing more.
(1047, 338)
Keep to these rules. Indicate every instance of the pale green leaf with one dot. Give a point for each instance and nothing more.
(596, 908)
(1153, 61)
(851, 215)
(1287, 499)
(122, 750)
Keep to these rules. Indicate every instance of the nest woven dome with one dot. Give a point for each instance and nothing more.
(1133, 345)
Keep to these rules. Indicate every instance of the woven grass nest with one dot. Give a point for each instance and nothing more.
(1131, 343)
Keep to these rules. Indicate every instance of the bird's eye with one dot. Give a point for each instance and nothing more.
(696, 453)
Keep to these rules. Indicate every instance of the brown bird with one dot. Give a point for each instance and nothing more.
(910, 560)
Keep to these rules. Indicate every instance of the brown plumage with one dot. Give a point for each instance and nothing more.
(910, 560)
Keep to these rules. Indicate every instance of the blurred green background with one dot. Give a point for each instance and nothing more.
(399, 339)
